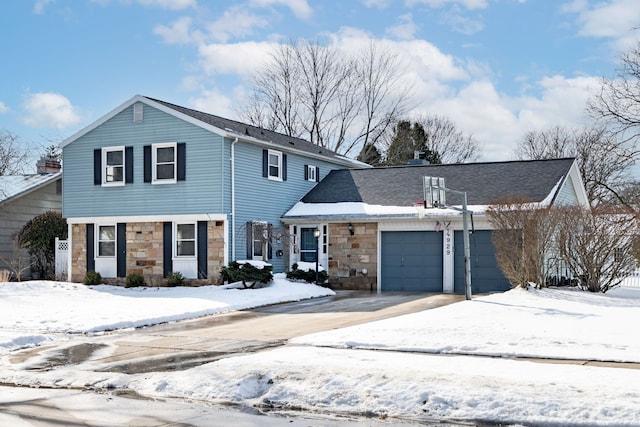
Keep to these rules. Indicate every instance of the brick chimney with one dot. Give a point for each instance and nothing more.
(48, 165)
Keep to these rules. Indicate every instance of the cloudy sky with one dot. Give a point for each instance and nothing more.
(497, 68)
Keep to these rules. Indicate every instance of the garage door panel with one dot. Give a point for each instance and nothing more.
(411, 261)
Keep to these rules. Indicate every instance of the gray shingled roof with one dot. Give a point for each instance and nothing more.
(485, 183)
(254, 132)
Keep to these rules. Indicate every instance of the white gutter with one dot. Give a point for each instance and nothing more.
(233, 199)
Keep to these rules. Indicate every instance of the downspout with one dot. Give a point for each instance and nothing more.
(233, 199)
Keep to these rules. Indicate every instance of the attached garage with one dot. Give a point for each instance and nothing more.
(486, 276)
(411, 261)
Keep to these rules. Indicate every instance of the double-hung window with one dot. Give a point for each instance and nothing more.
(275, 165)
(106, 240)
(185, 240)
(113, 159)
(164, 161)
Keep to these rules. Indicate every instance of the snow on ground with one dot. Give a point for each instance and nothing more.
(31, 311)
(430, 369)
(414, 385)
(555, 323)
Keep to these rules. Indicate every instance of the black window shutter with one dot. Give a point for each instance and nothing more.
(306, 172)
(91, 261)
(97, 166)
(249, 227)
(121, 246)
(265, 163)
(284, 167)
(182, 161)
(202, 249)
(128, 165)
(146, 151)
(317, 174)
(167, 248)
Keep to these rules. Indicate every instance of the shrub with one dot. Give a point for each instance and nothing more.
(175, 278)
(92, 278)
(308, 276)
(247, 273)
(38, 237)
(134, 280)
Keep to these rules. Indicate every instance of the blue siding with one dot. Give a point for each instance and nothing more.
(261, 199)
(201, 192)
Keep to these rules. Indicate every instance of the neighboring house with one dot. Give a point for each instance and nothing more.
(154, 188)
(376, 234)
(23, 197)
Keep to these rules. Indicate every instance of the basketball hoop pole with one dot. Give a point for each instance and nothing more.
(432, 183)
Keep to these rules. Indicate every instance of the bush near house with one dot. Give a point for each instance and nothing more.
(38, 237)
(307, 274)
(247, 273)
(92, 278)
(134, 280)
(175, 278)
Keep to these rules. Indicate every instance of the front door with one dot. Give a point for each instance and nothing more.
(308, 245)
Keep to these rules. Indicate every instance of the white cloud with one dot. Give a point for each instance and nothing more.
(234, 58)
(236, 21)
(39, 6)
(170, 4)
(469, 4)
(179, 32)
(3, 108)
(460, 23)
(49, 110)
(405, 29)
(614, 19)
(300, 8)
(378, 4)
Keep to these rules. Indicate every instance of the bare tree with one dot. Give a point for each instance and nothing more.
(523, 238)
(617, 102)
(313, 91)
(13, 154)
(597, 245)
(604, 160)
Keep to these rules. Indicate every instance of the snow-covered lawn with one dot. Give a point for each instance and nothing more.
(31, 311)
(432, 367)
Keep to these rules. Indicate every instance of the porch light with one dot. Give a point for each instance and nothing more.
(316, 234)
(350, 227)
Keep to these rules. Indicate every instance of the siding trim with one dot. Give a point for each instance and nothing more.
(148, 218)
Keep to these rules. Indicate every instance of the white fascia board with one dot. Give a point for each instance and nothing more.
(146, 218)
(578, 184)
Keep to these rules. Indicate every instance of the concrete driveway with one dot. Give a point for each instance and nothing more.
(185, 344)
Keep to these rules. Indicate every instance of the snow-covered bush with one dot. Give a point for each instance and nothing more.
(307, 271)
(249, 273)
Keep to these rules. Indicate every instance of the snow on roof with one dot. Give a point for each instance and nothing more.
(360, 209)
(16, 185)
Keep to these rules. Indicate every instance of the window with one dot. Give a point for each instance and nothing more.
(106, 240)
(311, 173)
(185, 240)
(275, 165)
(113, 170)
(113, 166)
(164, 163)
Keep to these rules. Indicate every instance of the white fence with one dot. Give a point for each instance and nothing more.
(62, 259)
(632, 280)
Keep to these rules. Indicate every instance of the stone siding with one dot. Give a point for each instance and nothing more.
(145, 253)
(351, 254)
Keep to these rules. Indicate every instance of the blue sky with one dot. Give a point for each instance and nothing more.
(497, 68)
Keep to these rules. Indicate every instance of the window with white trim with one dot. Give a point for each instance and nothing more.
(113, 159)
(275, 165)
(185, 240)
(106, 240)
(311, 173)
(164, 163)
